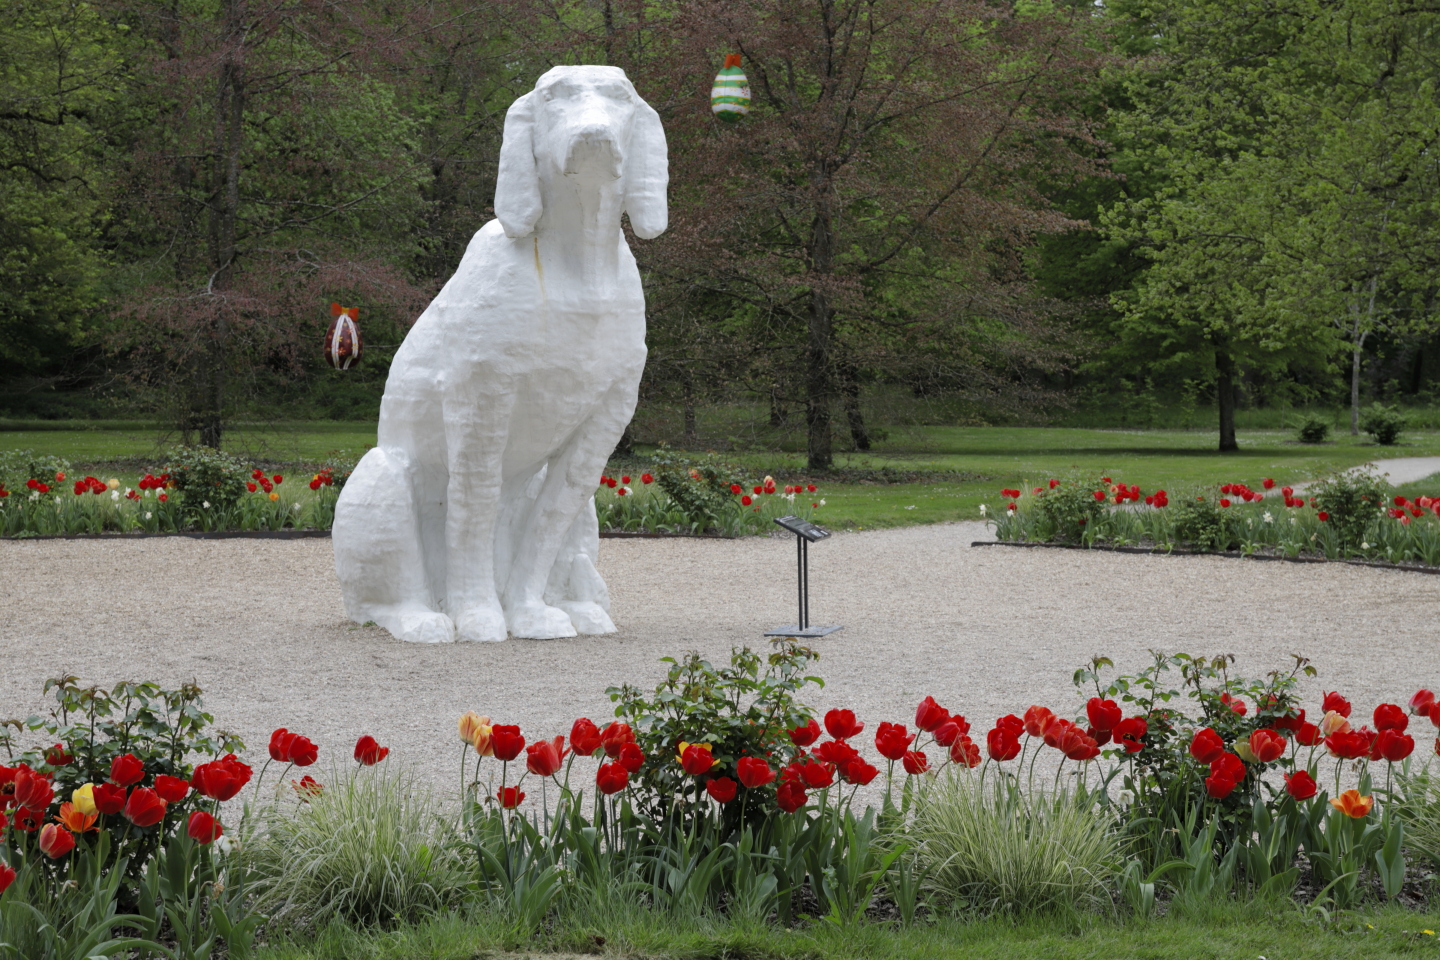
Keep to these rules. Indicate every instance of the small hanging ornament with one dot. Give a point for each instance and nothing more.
(730, 97)
(342, 340)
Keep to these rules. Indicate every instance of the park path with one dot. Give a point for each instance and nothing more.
(1399, 470)
(986, 630)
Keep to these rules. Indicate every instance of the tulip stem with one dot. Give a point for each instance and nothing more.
(464, 760)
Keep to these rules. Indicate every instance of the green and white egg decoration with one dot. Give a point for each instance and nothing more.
(730, 97)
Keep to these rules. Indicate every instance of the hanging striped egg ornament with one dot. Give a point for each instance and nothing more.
(342, 340)
(730, 97)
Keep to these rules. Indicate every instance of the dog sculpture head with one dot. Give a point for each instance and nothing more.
(589, 124)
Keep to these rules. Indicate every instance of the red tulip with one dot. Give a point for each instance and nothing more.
(1129, 734)
(1350, 744)
(1056, 730)
(57, 757)
(368, 752)
(965, 752)
(1206, 746)
(307, 788)
(1333, 701)
(1268, 484)
(952, 729)
(27, 819)
(171, 789)
(805, 735)
(1267, 745)
(615, 736)
(584, 738)
(126, 770)
(790, 797)
(1226, 771)
(203, 828)
(611, 778)
(109, 798)
(632, 758)
(1077, 746)
(915, 762)
(646, 478)
(33, 791)
(753, 772)
(543, 757)
(1390, 717)
(842, 724)
(816, 775)
(1300, 785)
(1435, 713)
(837, 752)
(287, 747)
(510, 797)
(892, 741)
(7, 876)
(1392, 746)
(1236, 705)
(56, 841)
(219, 779)
(144, 808)
(1103, 714)
(506, 741)
(697, 758)
(1421, 703)
(859, 772)
(721, 789)
(1002, 744)
(930, 715)
(1037, 719)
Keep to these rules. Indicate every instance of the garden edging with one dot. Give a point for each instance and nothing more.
(1228, 554)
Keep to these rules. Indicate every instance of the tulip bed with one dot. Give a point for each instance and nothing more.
(136, 830)
(1352, 515)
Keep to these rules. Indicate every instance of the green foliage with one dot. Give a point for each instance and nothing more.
(1383, 424)
(1420, 811)
(209, 482)
(18, 466)
(742, 710)
(1354, 501)
(1200, 522)
(998, 849)
(1069, 512)
(699, 489)
(1313, 429)
(370, 849)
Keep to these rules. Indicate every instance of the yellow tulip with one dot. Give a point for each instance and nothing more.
(470, 723)
(113, 484)
(84, 799)
(1334, 723)
(1243, 751)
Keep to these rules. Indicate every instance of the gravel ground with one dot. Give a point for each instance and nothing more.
(259, 625)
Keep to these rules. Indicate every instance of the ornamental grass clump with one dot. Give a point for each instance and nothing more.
(996, 850)
(370, 847)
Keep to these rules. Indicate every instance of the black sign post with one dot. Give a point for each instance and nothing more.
(806, 533)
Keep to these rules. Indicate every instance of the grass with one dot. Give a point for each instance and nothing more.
(1236, 930)
(962, 467)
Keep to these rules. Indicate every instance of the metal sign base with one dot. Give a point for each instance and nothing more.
(805, 633)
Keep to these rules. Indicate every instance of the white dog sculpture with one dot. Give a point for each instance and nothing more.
(475, 514)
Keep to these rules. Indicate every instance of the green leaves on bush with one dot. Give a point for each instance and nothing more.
(209, 482)
(699, 488)
(1313, 429)
(1354, 500)
(1200, 522)
(1068, 512)
(1384, 424)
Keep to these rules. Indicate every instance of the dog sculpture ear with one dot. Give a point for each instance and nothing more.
(517, 185)
(647, 174)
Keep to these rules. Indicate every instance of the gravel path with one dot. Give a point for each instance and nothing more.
(985, 630)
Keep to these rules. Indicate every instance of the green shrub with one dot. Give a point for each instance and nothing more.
(1384, 424)
(700, 489)
(1313, 429)
(999, 851)
(1201, 522)
(1353, 501)
(210, 483)
(1069, 512)
(369, 849)
(18, 466)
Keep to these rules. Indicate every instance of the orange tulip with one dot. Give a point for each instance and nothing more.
(471, 725)
(1353, 805)
(73, 820)
(1334, 723)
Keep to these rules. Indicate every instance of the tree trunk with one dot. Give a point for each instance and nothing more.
(851, 388)
(819, 388)
(691, 434)
(778, 414)
(626, 446)
(1355, 390)
(1225, 396)
(224, 213)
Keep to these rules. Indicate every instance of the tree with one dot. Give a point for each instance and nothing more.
(1299, 212)
(873, 210)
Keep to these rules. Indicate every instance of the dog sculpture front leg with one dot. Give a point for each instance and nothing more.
(569, 485)
(476, 423)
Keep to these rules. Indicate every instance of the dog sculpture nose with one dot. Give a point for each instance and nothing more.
(594, 152)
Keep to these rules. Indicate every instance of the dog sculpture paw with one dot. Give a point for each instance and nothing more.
(536, 621)
(425, 626)
(482, 624)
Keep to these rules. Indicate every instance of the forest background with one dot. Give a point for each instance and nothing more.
(938, 212)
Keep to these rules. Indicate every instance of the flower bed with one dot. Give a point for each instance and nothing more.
(1354, 515)
(198, 490)
(137, 827)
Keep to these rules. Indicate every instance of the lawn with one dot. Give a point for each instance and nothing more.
(1237, 930)
(960, 467)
